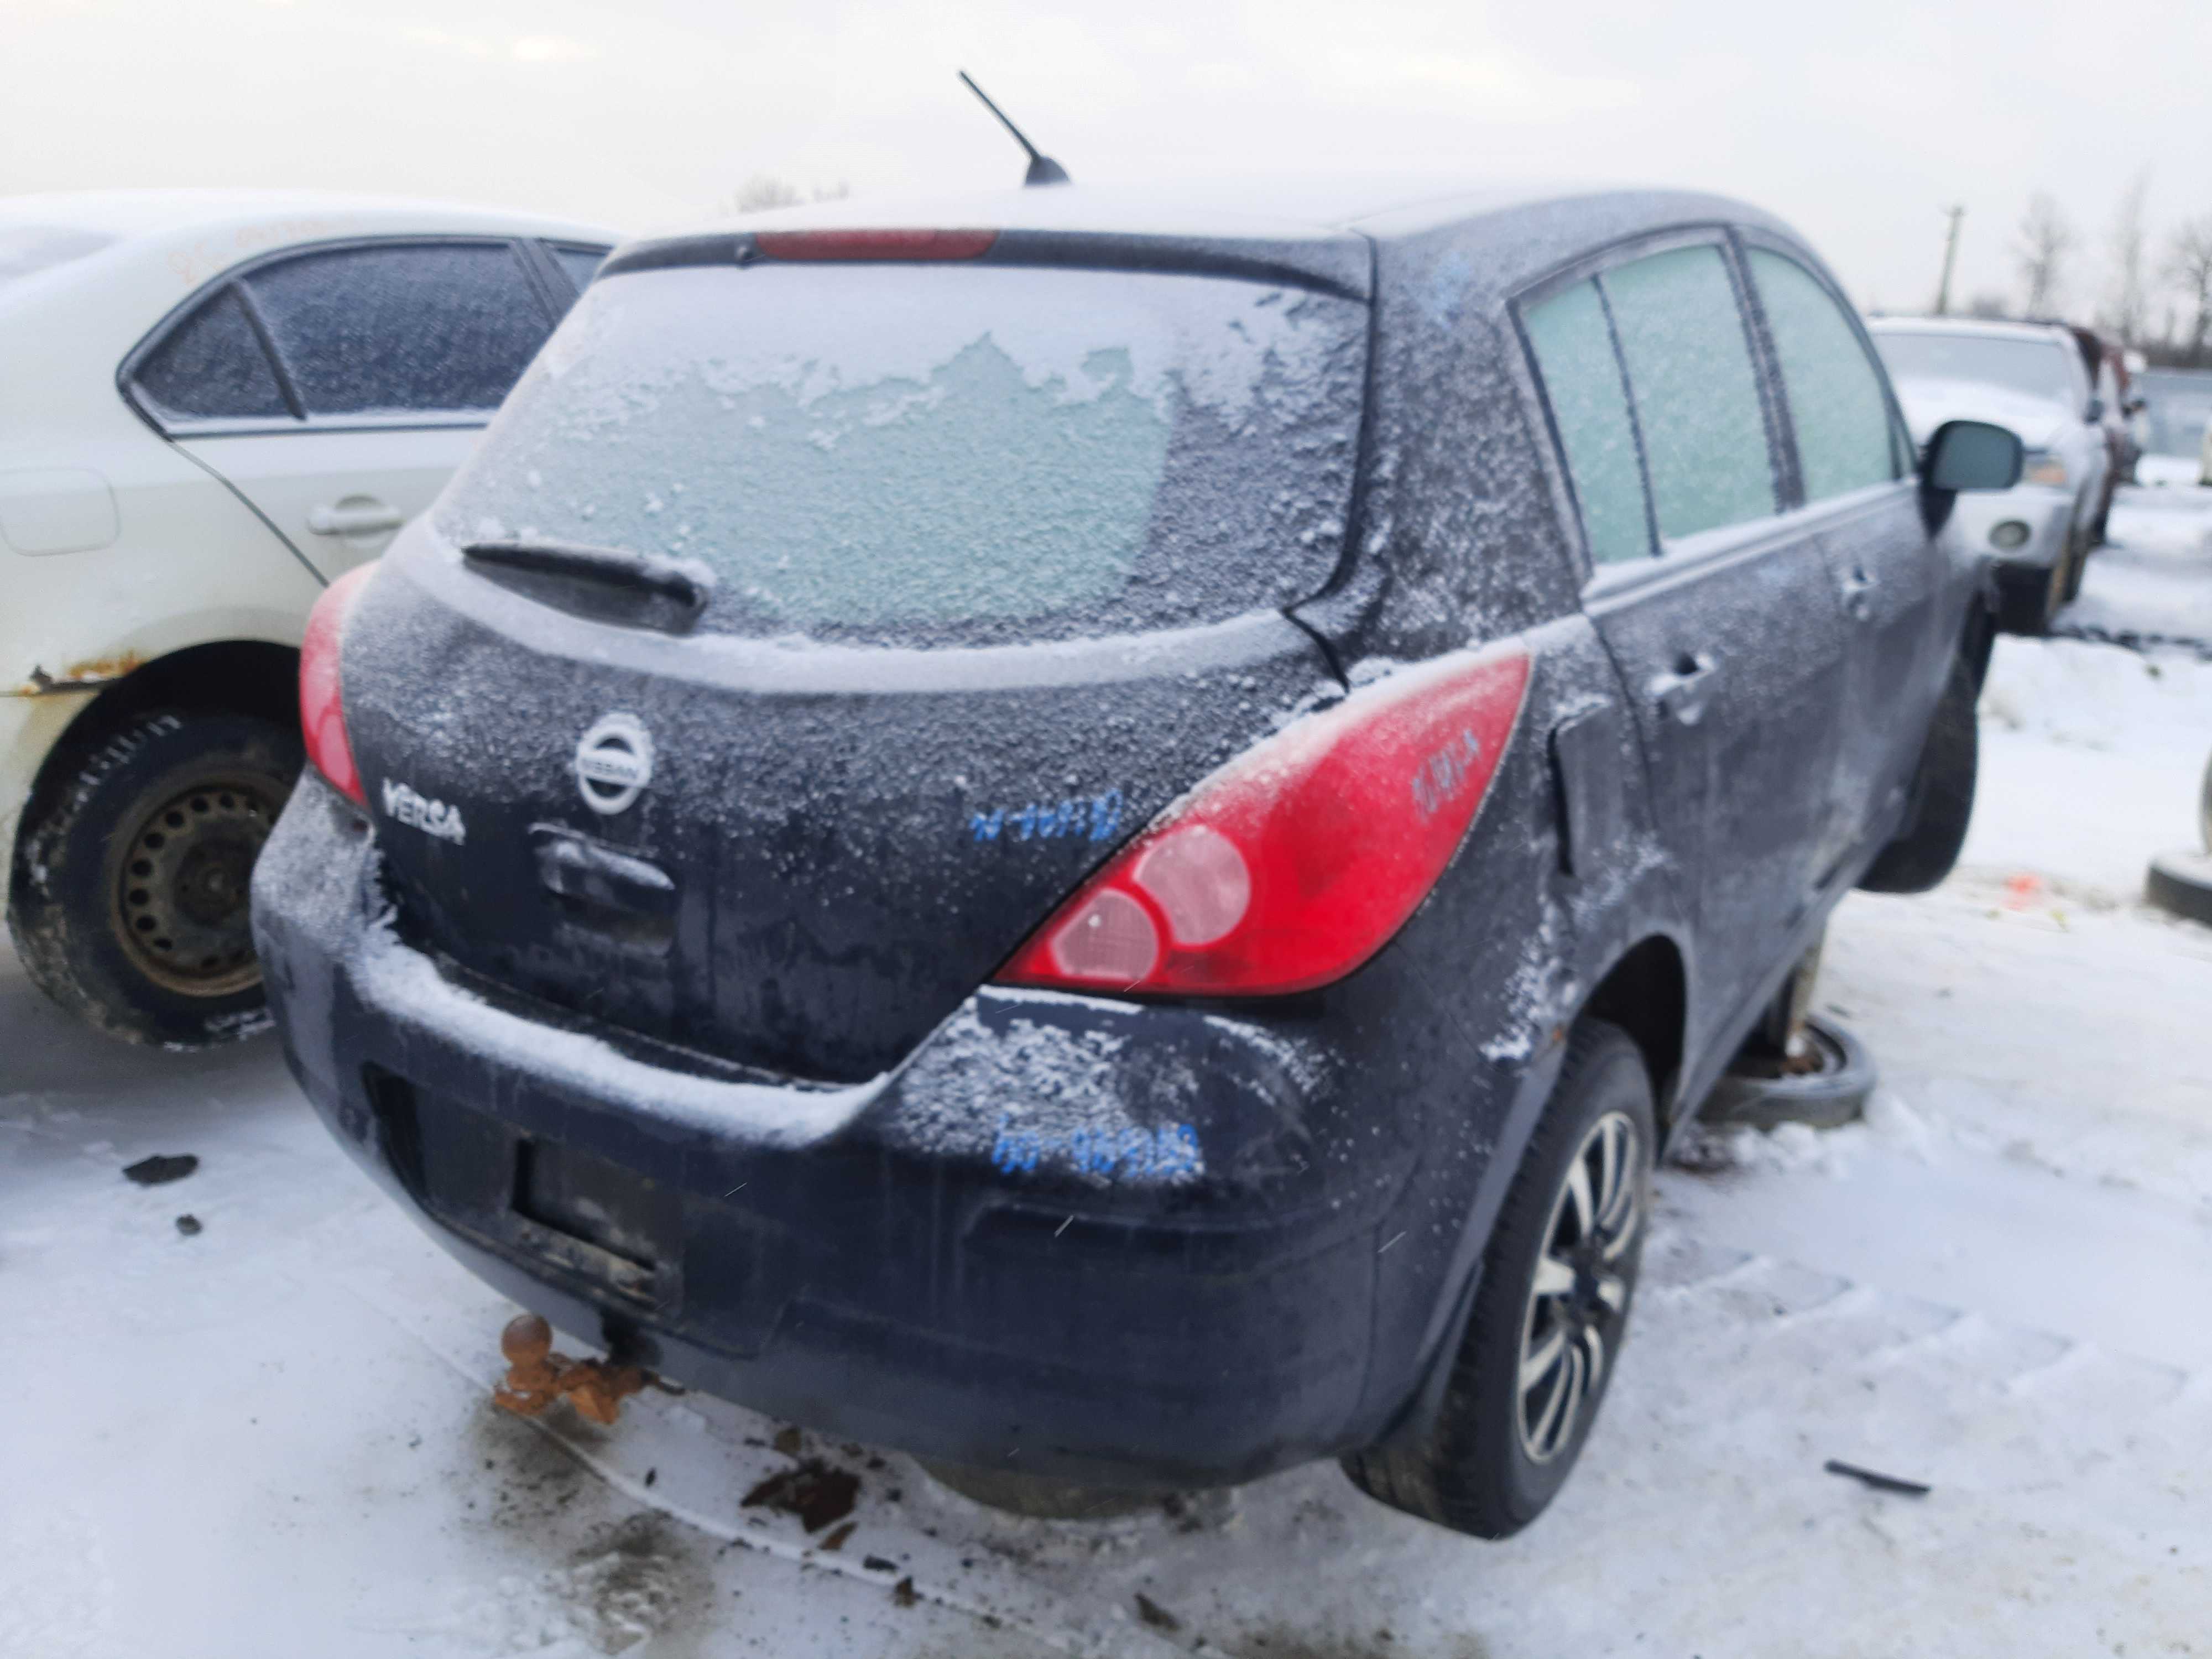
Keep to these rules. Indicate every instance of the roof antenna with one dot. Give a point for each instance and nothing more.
(1043, 170)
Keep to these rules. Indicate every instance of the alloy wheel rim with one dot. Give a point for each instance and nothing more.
(181, 890)
(1578, 1293)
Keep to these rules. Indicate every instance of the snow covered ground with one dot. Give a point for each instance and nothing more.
(2150, 581)
(274, 1436)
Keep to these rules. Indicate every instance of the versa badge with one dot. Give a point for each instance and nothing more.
(432, 817)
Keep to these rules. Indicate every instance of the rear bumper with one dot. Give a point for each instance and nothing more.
(1092, 1240)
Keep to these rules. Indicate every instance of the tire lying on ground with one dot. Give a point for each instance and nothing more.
(128, 897)
(1550, 1309)
(1767, 1091)
(1941, 801)
(2181, 882)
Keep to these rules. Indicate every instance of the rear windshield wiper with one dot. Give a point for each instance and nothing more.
(603, 584)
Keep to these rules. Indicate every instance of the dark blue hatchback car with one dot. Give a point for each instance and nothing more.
(1102, 839)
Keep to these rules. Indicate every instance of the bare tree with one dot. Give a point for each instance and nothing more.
(2128, 313)
(764, 191)
(2046, 238)
(2188, 268)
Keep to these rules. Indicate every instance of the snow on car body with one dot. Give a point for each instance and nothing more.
(1062, 812)
(219, 401)
(2031, 379)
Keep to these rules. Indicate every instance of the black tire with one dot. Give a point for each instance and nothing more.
(1761, 1093)
(2181, 882)
(1925, 848)
(128, 900)
(1477, 1468)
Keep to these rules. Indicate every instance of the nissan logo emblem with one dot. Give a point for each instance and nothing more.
(614, 763)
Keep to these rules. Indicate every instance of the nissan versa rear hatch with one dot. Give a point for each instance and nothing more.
(970, 570)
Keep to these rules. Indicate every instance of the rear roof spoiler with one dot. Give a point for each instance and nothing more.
(1340, 264)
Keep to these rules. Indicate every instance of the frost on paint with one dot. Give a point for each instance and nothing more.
(1038, 1098)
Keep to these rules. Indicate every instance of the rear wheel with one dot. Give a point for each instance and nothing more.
(1549, 1314)
(1941, 802)
(129, 899)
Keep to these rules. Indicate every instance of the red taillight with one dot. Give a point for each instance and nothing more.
(1298, 860)
(846, 244)
(322, 704)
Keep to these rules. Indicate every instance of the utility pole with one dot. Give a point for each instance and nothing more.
(1950, 258)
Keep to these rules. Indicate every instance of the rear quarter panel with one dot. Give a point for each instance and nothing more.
(189, 564)
(1471, 1004)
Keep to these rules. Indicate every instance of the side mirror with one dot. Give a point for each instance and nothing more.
(1972, 455)
(2095, 412)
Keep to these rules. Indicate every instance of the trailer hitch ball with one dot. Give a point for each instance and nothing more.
(536, 1377)
(526, 1341)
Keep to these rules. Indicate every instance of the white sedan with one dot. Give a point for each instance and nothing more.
(217, 401)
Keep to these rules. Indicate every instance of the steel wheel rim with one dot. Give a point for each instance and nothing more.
(1578, 1290)
(180, 893)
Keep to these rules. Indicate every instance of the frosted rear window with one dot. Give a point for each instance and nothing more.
(1590, 406)
(1696, 398)
(211, 368)
(955, 453)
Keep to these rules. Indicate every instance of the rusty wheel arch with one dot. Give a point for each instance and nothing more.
(232, 677)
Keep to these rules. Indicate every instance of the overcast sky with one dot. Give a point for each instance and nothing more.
(1856, 123)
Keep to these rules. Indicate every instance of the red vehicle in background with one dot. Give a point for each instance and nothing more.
(2117, 405)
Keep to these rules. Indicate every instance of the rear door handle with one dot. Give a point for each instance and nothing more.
(356, 518)
(1682, 692)
(576, 868)
(1858, 594)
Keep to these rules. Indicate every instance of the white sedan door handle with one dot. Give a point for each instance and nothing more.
(364, 518)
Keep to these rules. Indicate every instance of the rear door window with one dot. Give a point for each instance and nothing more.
(211, 368)
(404, 328)
(1575, 355)
(1696, 395)
(1838, 406)
(940, 452)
